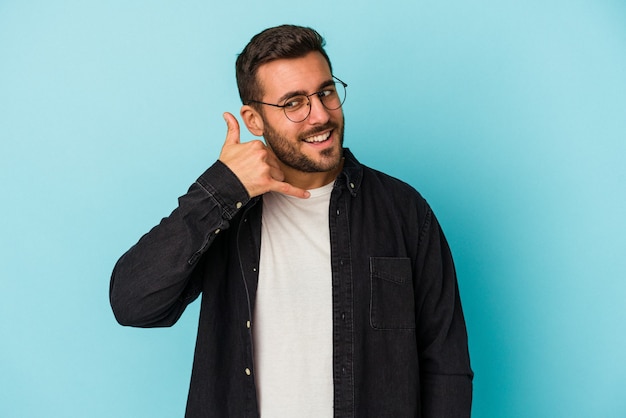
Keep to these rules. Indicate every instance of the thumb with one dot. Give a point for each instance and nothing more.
(232, 135)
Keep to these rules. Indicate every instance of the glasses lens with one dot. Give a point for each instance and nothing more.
(333, 97)
(298, 108)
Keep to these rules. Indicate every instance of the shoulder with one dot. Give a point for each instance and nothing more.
(382, 190)
(383, 179)
(392, 188)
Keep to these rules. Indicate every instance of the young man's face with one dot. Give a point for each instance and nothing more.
(315, 144)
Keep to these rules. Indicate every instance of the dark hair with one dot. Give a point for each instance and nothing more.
(280, 42)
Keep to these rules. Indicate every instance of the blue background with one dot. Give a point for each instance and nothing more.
(508, 116)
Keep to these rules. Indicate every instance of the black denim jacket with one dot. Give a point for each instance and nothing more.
(399, 338)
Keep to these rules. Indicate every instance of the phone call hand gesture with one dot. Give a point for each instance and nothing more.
(254, 164)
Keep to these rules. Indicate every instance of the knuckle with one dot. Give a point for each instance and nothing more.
(261, 154)
(257, 144)
(284, 188)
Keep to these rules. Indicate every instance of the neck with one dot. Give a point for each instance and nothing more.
(309, 181)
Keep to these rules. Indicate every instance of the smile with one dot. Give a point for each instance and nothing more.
(318, 138)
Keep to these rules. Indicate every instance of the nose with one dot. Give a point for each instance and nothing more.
(319, 114)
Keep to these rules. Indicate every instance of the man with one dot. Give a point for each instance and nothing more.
(328, 288)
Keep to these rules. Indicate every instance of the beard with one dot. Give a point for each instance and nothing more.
(289, 154)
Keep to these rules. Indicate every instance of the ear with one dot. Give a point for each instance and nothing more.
(253, 120)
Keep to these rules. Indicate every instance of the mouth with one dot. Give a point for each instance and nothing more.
(319, 138)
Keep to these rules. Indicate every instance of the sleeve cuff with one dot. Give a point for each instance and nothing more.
(225, 187)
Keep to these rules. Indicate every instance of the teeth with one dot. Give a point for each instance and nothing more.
(318, 138)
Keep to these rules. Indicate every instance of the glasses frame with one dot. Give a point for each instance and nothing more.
(308, 96)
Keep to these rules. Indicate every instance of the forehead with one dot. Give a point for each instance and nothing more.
(304, 74)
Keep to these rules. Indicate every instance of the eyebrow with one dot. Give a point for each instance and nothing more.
(304, 93)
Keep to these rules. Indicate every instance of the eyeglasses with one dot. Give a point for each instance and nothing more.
(298, 108)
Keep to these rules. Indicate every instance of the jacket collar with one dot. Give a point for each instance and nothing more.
(352, 172)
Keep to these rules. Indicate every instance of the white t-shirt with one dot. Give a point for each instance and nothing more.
(292, 323)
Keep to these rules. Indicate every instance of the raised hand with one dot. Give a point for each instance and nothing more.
(254, 164)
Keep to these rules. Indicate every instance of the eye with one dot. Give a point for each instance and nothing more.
(326, 92)
(295, 103)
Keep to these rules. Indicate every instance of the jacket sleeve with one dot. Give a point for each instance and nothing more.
(445, 372)
(155, 280)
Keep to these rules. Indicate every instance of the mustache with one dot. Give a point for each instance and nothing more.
(318, 129)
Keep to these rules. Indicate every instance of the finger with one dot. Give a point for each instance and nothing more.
(271, 156)
(272, 161)
(232, 135)
(288, 189)
(276, 173)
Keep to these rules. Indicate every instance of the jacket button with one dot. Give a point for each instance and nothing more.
(238, 205)
(217, 231)
(248, 372)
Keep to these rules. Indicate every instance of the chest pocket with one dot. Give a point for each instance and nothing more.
(392, 302)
